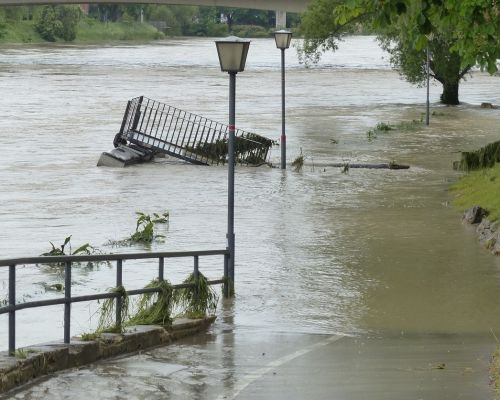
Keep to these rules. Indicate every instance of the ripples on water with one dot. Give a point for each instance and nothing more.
(317, 251)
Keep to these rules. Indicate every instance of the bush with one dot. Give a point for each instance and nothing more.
(47, 24)
(69, 17)
(57, 22)
(250, 31)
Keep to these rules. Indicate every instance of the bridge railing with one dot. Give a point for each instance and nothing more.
(68, 261)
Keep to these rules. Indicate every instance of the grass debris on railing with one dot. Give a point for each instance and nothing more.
(196, 301)
(107, 313)
(157, 308)
(154, 308)
(246, 149)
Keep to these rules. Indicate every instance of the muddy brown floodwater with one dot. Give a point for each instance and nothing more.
(319, 252)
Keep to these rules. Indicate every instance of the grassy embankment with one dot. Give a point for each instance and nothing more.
(89, 31)
(479, 188)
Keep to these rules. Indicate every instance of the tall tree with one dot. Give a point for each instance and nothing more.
(459, 33)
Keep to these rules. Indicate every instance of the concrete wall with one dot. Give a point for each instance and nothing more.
(47, 358)
(283, 5)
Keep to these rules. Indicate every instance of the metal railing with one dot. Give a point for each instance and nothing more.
(190, 137)
(68, 299)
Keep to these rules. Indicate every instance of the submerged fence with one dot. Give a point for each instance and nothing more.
(190, 137)
(68, 299)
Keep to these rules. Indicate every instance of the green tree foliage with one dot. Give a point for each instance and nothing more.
(69, 17)
(47, 24)
(53, 22)
(459, 33)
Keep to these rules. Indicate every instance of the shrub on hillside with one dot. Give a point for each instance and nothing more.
(54, 22)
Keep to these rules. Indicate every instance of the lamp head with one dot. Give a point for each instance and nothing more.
(232, 53)
(283, 38)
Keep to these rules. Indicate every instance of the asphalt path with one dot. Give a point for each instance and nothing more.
(240, 363)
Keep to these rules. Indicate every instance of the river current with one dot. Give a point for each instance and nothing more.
(318, 251)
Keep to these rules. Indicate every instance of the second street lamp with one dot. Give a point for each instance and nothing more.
(283, 39)
(232, 53)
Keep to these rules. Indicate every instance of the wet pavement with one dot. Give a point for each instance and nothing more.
(246, 363)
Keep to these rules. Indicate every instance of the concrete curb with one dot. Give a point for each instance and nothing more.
(47, 358)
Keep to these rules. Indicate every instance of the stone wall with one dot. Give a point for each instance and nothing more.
(51, 357)
(488, 231)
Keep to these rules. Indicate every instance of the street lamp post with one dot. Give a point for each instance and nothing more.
(283, 39)
(232, 53)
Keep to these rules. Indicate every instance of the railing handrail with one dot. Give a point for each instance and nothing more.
(12, 306)
(108, 257)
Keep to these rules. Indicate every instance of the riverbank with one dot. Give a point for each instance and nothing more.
(92, 31)
(482, 188)
(89, 30)
(477, 195)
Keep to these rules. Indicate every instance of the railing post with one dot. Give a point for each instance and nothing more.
(196, 275)
(67, 304)
(226, 276)
(196, 270)
(12, 312)
(119, 300)
(161, 269)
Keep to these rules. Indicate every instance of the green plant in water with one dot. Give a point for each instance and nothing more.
(197, 300)
(383, 127)
(154, 308)
(61, 250)
(55, 287)
(145, 227)
(371, 134)
(107, 312)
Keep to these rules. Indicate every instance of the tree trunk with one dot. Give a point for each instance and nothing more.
(450, 93)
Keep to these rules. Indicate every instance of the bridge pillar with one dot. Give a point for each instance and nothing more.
(280, 19)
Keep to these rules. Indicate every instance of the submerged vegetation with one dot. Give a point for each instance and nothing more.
(298, 163)
(145, 230)
(485, 157)
(62, 250)
(383, 127)
(145, 227)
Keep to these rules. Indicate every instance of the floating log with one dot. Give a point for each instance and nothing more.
(368, 166)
